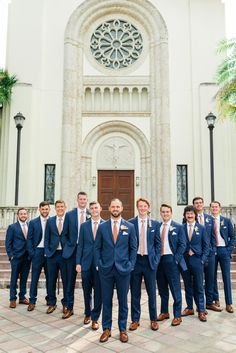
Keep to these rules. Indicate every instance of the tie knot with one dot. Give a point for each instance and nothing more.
(96, 222)
(143, 220)
(60, 219)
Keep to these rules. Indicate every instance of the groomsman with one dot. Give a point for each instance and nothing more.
(35, 246)
(225, 241)
(74, 219)
(209, 269)
(18, 256)
(85, 264)
(53, 245)
(196, 254)
(148, 257)
(115, 255)
(168, 274)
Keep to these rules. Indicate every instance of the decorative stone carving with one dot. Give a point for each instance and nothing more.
(116, 44)
(115, 153)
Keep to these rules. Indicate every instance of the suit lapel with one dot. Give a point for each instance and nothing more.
(20, 229)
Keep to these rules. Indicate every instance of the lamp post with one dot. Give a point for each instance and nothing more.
(210, 118)
(19, 121)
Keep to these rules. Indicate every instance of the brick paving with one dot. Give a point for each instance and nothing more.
(32, 332)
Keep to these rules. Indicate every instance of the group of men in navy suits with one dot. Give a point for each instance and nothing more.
(119, 254)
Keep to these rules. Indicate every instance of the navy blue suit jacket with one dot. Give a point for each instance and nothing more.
(153, 241)
(121, 254)
(52, 237)
(227, 233)
(177, 243)
(34, 235)
(85, 248)
(71, 232)
(199, 243)
(209, 225)
(15, 241)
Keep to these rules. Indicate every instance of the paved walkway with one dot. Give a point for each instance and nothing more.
(32, 332)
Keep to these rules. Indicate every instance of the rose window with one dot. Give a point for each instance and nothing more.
(116, 44)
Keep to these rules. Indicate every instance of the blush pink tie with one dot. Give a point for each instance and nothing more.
(163, 236)
(95, 227)
(142, 237)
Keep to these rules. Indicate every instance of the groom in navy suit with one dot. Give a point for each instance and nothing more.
(148, 257)
(18, 256)
(115, 255)
(35, 246)
(85, 264)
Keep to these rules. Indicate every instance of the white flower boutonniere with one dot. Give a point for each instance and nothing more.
(88, 216)
(171, 229)
(123, 227)
(207, 220)
(222, 223)
(196, 229)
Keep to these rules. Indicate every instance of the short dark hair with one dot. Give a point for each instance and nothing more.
(93, 203)
(20, 209)
(190, 208)
(215, 202)
(197, 198)
(165, 205)
(60, 201)
(116, 199)
(144, 200)
(44, 203)
(82, 193)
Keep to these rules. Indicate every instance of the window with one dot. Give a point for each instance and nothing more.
(49, 182)
(182, 184)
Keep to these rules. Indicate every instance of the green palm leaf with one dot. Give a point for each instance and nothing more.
(6, 84)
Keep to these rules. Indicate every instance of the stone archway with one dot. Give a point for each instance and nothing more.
(158, 181)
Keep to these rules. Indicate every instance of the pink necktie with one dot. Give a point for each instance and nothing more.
(115, 231)
(216, 231)
(163, 236)
(200, 219)
(190, 232)
(142, 238)
(95, 226)
(81, 217)
(24, 229)
(59, 227)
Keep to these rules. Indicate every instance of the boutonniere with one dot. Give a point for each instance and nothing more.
(171, 229)
(207, 220)
(196, 229)
(123, 227)
(88, 216)
(222, 223)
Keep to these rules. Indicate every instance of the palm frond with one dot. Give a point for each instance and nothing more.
(6, 84)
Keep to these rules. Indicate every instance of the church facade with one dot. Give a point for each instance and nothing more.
(115, 95)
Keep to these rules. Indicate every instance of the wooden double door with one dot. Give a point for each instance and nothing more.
(116, 184)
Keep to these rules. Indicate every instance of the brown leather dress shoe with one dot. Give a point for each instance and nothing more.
(124, 336)
(31, 307)
(64, 309)
(202, 316)
(87, 320)
(187, 312)
(213, 307)
(95, 325)
(105, 335)
(134, 325)
(217, 302)
(51, 308)
(12, 304)
(68, 314)
(163, 316)
(154, 325)
(176, 321)
(229, 308)
(24, 301)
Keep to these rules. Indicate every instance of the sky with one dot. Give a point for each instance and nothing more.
(230, 11)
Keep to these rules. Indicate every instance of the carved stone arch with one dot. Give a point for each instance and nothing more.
(148, 16)
(126, 129)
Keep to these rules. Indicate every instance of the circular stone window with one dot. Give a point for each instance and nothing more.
(116, 44)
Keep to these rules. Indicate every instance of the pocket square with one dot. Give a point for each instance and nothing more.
(125, 233)
(152, 230)
(173, 233)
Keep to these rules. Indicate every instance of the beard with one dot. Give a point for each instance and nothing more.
(116, 214)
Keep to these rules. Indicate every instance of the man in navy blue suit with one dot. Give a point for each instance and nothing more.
(196, 254)
(148, 257)
(54, 243)
(18, 256)
(168, 272)
(35, 246)
(209, 269)
(225, 241)
(85, 264)
(115, 255)
(74, 219)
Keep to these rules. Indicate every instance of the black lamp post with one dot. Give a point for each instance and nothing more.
(19, 121)
(210, 118)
